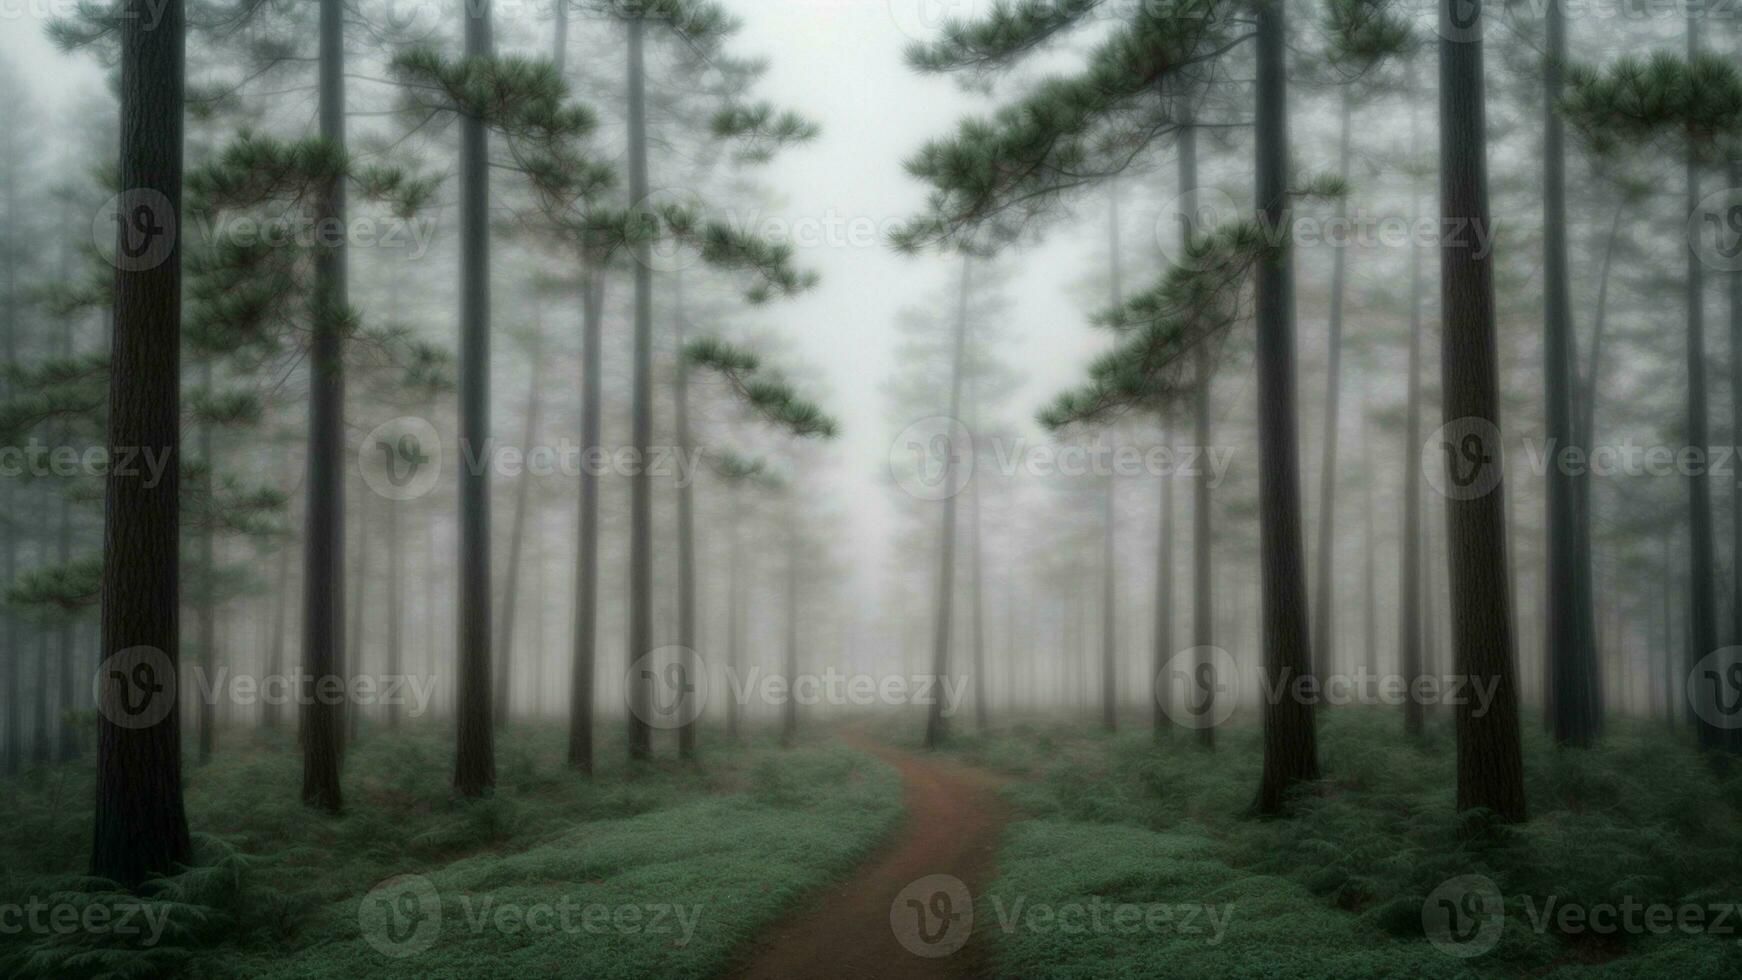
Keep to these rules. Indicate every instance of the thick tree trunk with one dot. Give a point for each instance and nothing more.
(9, 633)
(1203, 545)
(323, 559)
(937, 724)
(1490, 762)
(640, 485)
(1290, 738)
(140, 828)
(1323, 585)
(1369, 545)
(587, 550)
(474, 751)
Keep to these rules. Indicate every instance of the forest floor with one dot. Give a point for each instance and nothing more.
(1037, 849)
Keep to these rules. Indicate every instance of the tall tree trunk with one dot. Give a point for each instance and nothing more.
(1203, 553)
(1735, 734)
(475, 753)
(271, 713)
(1109, 606)
(1703, 637)
(977, 596)
(66, 647)
(354, 646)
(686, 527)
(640, 486)
(395, 607)
(1290, 739)
(1161, 693)
(140, 828)
(1569, 635)
(587, 549)
(1409, 629)
(1324, 587)
(206, 612)
(937, 724)
(789, 707)
(516, 542)
(1109, 554)
(323, 558)
(9, 633)
(735, 609)
(1490, 759)
(1370, 546)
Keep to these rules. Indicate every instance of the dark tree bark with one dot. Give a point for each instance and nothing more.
(1324, 586)
(323, 557)
(1370, 545)
(587, 550)
(272, 714)
(640, 484)
(474, 751)
(14, 734)
(1203, 553)
(140, 828)
(937, 724)
(1490, 759)
(1290, 738)
(1569, 623)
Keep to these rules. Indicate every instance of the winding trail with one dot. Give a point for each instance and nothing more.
(954, 815)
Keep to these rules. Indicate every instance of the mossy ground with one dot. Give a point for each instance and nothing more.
(1338, 889)
(276, 890)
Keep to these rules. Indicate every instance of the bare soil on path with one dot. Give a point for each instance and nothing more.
(952, 827)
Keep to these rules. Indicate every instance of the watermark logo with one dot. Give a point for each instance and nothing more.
(1464, 459)
(933, 459)
(933, 916)
(1186, 223)
(676, 683)
(1715, 230)
(135, 688)
(1460, 21)
(135, 230)
(401, 459)
(1197, 687)
(650, 220)
(1715, 688)
(401, 916)
(1464, 916)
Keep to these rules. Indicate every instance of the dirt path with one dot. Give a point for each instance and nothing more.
(850, 931)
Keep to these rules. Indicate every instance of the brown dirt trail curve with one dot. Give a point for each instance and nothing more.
(954, 815)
